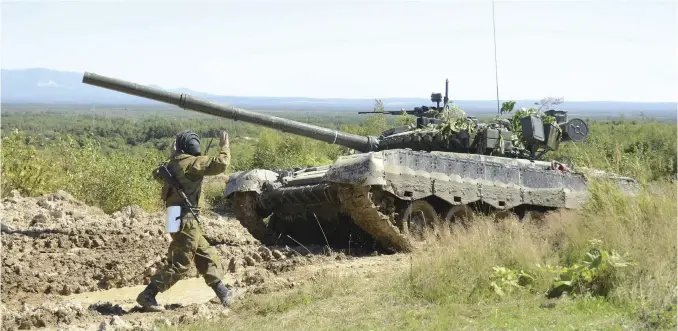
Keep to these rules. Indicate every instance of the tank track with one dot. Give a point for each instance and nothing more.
(361, 204)
(358, 203)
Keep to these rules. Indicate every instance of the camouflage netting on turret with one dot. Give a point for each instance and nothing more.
(461, 133)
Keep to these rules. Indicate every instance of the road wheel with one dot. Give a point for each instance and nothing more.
(417, 219)
(459, 215)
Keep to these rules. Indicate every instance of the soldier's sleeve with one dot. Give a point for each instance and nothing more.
(211, 165)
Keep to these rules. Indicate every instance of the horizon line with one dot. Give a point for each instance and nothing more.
(173, 89)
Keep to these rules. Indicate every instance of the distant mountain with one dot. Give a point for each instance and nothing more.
(46, 86)
(39, 85)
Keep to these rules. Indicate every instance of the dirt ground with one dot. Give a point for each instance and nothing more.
(68, 266)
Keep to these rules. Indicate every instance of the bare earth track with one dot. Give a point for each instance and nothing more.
(68, 266)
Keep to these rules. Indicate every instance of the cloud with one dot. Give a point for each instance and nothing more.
(49, 83)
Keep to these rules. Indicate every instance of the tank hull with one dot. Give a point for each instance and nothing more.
(376, 191)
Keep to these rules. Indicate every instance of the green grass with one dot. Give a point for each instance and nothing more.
(448, 286)
(643, 150)
(372, 305)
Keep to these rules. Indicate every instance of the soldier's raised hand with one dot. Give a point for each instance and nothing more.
(223, 139)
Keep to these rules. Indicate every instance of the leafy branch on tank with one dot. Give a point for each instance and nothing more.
(516, 125)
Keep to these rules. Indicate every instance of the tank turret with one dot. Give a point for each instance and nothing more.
(528, 135)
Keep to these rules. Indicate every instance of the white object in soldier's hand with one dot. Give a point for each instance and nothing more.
(173, 219)
(173, 150)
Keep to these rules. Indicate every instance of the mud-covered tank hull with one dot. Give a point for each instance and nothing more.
(377, 191)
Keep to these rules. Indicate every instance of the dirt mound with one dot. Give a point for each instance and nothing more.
(57, 245)
(58, 253)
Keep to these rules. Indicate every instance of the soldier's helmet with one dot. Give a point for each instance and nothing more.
(188, 142)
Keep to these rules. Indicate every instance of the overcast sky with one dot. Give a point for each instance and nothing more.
(605, 50)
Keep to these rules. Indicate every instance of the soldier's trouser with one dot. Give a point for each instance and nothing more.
(188, 245)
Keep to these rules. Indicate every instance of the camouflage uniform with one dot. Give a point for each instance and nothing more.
(188, 244)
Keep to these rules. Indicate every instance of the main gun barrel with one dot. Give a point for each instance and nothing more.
(359, 143)
(391, 112)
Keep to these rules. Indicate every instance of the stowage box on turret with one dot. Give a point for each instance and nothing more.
(396, 185)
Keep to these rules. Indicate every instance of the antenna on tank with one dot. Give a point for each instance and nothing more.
(496, 74)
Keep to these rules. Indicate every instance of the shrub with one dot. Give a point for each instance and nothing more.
(596, 274)
(276, 151)
(106, 180)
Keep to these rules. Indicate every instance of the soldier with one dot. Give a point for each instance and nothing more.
(188, 244)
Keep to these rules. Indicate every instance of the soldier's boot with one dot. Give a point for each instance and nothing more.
(222, 293)
(147, 299)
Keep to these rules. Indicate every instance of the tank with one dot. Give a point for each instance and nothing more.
(391, 189)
